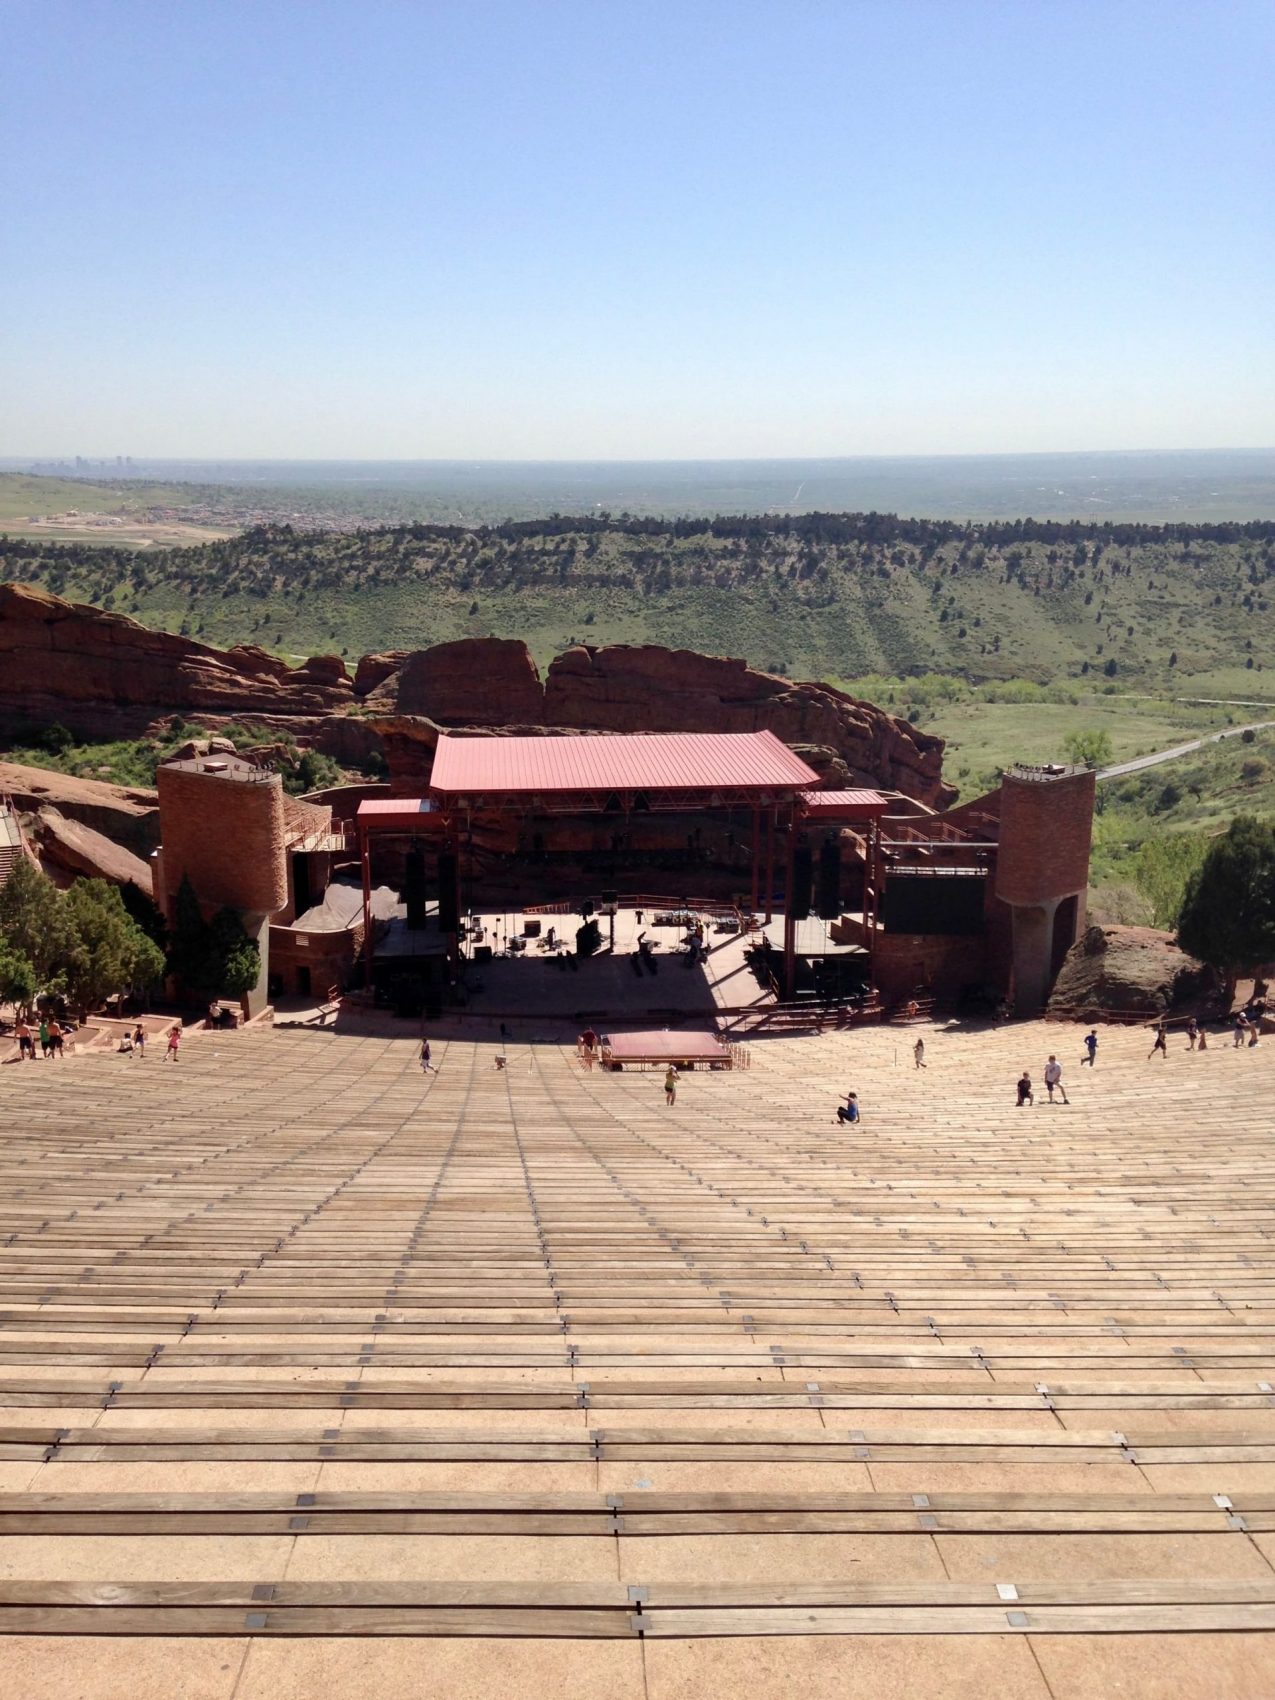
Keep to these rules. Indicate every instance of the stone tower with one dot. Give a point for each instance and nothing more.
(1042, 870)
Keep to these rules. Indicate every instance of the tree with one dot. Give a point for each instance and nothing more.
(190, 947)
(1089, 749)
(115, 954)
(1161, 870)
(1228, 911)
(17, 979)
(36, 925)
(143, 909)
(313, 772)
(236, 957)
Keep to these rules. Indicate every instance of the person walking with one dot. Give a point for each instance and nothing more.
(1241, 1029)
(139, 1040)
(849, 1111)
(1053, 1079)
(55, 1038)
(427, 1066)
(1192, 1033)
(1161, 1043)
(670, 1085)
(1025, 1093)
(174, 1040)
(44, 1038)
(1091, 1047)
(26, 1044)
(1204, 1040)
(918, 1053)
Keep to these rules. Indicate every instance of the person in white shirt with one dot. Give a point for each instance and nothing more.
(1053, 1078)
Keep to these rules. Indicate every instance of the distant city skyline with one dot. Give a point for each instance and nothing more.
(723, 230)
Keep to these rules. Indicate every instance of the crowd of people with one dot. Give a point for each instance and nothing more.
(1246, 1027)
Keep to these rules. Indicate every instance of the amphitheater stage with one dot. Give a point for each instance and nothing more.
(323, 1376)
(661, 1046)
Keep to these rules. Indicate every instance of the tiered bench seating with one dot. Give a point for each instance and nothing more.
(322, 1376)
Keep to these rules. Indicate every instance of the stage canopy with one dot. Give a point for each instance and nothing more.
(603, 771)
(839, 808)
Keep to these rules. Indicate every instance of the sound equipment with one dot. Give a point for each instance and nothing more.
(414, 889)
(448, 906)
(482, 953)
(802, 874)
(828, 895)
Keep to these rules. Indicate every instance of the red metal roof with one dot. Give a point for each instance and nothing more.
(844, 805)
(611, 761)
(379, 811)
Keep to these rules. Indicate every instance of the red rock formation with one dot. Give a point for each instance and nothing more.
(472, 682)
(625, 688)
(126, 814)
(105, 675)
(1133, 970)
(486, 682)
(73, 848)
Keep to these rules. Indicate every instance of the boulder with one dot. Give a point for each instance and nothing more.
(373, 670)
(472, 682)
(1134, 971)
(77, 849)
(127, 815)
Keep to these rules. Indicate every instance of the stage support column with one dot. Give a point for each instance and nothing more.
(756, 856)
(872, 897)
(770, 864)
(790, 925)
(453, 939)
(365, 857)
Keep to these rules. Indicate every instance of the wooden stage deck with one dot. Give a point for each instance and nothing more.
(322, 1377)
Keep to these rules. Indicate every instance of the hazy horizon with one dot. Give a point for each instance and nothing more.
(1151, 486)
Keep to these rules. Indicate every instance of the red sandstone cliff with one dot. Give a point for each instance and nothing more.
(488, 683)
(107, 676)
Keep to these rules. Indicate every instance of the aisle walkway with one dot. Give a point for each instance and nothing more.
(318, 1376)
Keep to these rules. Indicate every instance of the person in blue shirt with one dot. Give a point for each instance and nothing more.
(1091, 1048)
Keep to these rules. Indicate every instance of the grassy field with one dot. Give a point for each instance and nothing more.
(983, 737)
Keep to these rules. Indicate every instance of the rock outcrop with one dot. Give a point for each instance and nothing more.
(128, 815)
(73, 848)
(104, 675)
(1133, 971)
(493, 683)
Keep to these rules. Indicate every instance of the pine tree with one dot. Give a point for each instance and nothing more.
(1228, 913)
(36, 926)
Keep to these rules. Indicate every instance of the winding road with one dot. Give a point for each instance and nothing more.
(1154, 760)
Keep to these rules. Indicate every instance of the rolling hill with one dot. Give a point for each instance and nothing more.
(834, 596)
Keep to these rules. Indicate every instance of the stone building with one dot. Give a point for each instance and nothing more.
(244, 844)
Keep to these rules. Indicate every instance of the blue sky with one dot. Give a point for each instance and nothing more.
(653, 229)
